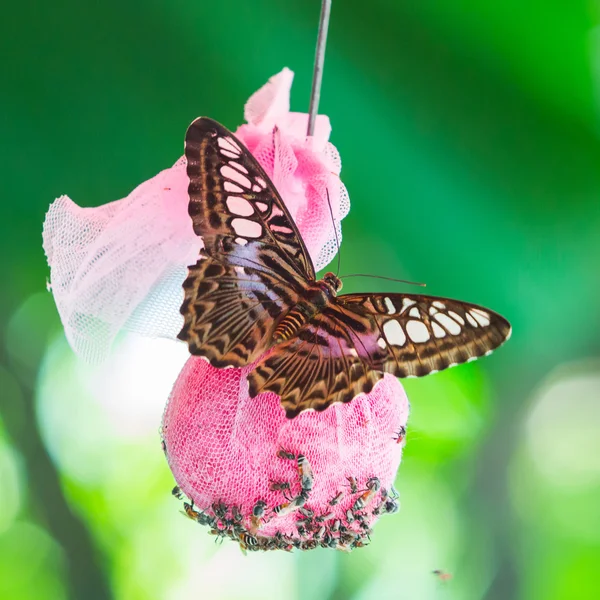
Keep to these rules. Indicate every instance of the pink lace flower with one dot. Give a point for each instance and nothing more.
(248, 472)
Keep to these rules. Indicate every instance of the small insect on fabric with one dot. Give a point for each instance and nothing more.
(254, 290)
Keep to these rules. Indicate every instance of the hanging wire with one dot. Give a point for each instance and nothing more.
(318, 68)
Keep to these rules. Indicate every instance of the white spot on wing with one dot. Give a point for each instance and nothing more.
(439, 304)
(353, 352)
(480, 316)
(471, 320)
(239, 206)
(261, 206)
(239, 167)
(390, 306)
(417, 331)
(231, 173)
(414, 312)
(394, 333)
(450, 324)
(246, 228)
(240, 270)
(231, 187)
(228, 154)
(407, 303)
(381, 343)
(280, 229)
(438, 331)
(241, 241)
(456, 317)
(229, 144)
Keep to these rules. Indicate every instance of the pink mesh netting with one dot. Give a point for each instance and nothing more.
(121, 265)
(222, 448)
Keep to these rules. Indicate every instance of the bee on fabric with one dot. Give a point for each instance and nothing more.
(324, 517)
(279, 486)
(300, 500)
(400, 435)
(284, 454)
(220, 509)
(309, 545)
(373, 483)
(391, 506)
(259, 508)
(190, 512)
(247, 540)
(359, 504)
(336, 499)
(373, 486)
(306, 473)
(353, 485)
(236, 515)
(285, 509)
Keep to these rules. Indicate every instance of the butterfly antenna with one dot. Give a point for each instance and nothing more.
(382, 277)
(337, 241)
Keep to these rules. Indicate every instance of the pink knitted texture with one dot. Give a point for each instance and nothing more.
(222, 448)
(121, 265)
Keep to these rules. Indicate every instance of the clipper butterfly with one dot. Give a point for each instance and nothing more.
(253, 296)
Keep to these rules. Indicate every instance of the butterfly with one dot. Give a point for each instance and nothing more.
(253, 296)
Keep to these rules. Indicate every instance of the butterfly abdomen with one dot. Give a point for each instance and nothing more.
(299, 316)
(316, 298)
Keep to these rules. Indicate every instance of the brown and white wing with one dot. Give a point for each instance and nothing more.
(231, 196)
(254, 264)
(346, 349)
(426, 334)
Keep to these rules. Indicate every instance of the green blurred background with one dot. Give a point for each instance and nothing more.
(470, 141)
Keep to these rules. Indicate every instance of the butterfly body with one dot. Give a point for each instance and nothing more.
(316, 297)
(253, 296)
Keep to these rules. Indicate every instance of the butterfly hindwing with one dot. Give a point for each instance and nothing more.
(330, 359)
(347, 348)
(230, 307)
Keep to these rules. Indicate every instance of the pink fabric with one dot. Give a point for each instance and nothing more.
(222, 446)
(121, 265)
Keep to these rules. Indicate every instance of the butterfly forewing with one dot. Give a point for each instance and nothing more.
(231, 196)
(425, 334)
